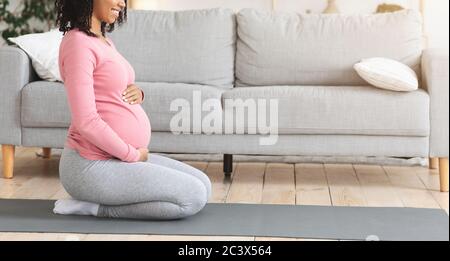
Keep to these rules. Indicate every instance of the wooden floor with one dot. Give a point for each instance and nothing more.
(265, 183)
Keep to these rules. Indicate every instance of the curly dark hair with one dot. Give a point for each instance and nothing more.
(77, 14)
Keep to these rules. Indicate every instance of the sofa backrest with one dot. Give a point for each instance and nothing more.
(191, 46)
(287, 48)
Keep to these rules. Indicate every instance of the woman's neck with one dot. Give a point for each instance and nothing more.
(96, 26)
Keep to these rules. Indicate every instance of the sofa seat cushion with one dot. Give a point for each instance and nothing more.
(44, 104)
(301, 109)
(358, 110)
(159, 96)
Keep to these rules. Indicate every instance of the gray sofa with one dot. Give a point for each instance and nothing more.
(305, 62)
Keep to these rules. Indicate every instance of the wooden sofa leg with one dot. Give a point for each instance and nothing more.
(227, 164)
(8, 160)
(433, 163)
(46, 153)
(443, 174)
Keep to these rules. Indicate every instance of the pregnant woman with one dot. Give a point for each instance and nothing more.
(105, 165)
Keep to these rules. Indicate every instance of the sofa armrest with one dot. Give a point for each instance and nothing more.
(435, 66)
(16, 71)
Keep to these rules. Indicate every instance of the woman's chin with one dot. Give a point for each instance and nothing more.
(111, 19)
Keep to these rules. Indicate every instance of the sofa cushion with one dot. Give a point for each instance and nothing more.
(190, 46)
(302, 109)
(159, 96)
(288, 48)
(44, 104)
(360, 110)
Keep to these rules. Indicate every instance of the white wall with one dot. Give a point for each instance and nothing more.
(174, 5)
(316, 6)
(344, 6)
(437, 23)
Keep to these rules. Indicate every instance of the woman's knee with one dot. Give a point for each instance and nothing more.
(204, 179)
(183, 167)
(194, 199)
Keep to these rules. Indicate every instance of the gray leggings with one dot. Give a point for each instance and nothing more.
(161, 188)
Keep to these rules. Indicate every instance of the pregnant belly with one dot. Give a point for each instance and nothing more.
(131, 123)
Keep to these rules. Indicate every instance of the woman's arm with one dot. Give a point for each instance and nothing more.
(79, 62)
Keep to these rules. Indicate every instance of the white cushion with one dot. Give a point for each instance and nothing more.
(43, 49)
(388, 74)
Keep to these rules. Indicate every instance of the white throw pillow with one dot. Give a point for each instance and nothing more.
(388, 74)
(43, 49)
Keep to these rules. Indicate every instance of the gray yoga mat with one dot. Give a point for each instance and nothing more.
(315, 222)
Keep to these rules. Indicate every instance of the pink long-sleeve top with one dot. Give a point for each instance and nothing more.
(95, 75)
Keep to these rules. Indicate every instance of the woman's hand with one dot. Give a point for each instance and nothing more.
(144, 154)
(133, 95)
